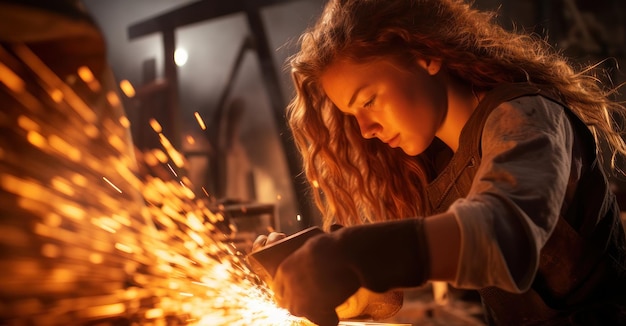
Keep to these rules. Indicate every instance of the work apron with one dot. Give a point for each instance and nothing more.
(581, 277)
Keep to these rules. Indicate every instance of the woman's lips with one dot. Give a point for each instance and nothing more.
(394, 141)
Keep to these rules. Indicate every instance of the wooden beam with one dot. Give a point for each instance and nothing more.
(194, 13)
(171, 75)
(277, 102)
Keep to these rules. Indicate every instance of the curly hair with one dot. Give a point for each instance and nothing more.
(359, 180)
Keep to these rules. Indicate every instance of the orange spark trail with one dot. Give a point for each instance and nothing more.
(139, 248)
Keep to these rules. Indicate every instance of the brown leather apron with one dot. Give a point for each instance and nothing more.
(582, 274)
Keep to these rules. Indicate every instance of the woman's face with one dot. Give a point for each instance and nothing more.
(401, 108)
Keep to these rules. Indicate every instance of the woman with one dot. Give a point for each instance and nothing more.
(453, 150)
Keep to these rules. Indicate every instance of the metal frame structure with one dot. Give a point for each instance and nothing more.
(166, 25)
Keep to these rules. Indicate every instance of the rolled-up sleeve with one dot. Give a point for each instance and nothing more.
(516, 196)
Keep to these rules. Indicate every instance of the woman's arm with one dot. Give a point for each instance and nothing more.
(516, 197)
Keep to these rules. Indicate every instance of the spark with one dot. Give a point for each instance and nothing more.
(200, 121)
(113, 99)
(154, 313)
(77, 250)
(27, 124)
(50, 250)
(125, 122)
(11, 79)
(112, 185)
(127, 88)
(56, 95)
(175, 155)
(172, 170)
(53, 81)
(104, 311)
(156, 126)
(36, 139)
(124, 248)
(87, 76)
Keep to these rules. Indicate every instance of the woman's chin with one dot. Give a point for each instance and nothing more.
(411, 150)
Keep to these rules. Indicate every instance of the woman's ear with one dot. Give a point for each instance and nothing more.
(432, 66)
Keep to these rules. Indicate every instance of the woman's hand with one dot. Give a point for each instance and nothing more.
(269, 252)
(314, 280)
(324, 272)
(265, 240)
(365, 304)
(259, 243)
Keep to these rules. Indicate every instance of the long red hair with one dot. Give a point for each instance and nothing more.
(359, 180)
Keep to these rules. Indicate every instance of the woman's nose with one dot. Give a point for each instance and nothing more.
(369, 128)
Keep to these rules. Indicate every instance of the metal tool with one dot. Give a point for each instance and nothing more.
(265, 261)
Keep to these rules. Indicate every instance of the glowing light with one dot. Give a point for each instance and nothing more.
(123, 247)
(73, 211)
(160, 256)
(36, 139)
(113, 99)
(27, 124)
(62, 186)
(50, 250)
(172, 170)
(64, 148)
(112, 185)
(117, 142)
(124, 122)
(127, 88)
(53, 220)
(154, 313)
(56, 95)
(180, 57)
(200, 121)
(10, 79)
(87, 76)
(175, 155)
(103, 225)
(160, 155)
(156, 126)
(77, 104)
(104, 311)
(91, 131)
(95, 258)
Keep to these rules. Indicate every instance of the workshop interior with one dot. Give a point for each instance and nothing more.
(144, 148)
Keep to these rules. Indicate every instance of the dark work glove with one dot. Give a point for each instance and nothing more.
(330, 267)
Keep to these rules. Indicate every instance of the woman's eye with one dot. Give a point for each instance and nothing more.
(369, 103)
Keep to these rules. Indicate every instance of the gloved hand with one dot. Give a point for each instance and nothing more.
(365, 304)
(330, 267)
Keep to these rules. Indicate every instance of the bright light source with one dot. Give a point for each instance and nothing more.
(180, 57)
